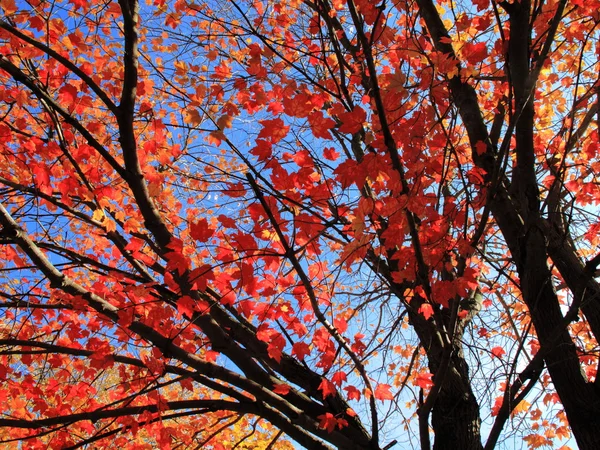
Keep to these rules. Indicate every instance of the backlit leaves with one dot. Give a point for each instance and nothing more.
(290, 203)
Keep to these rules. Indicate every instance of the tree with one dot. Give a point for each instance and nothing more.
(238, 223)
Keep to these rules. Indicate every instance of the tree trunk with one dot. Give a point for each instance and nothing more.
(455, 416)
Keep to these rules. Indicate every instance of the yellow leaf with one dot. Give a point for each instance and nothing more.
(523, 406)
(109, 225)
(98, 215)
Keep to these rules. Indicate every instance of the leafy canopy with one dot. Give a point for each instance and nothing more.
(348, 223)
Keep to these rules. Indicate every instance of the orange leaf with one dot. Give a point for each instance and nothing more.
(498, 352)
(426, 310)
(382, 392)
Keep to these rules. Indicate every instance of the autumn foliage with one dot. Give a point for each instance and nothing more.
(299, 224)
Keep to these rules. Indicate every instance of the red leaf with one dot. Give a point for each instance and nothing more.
(481, 4)
(281, 389)
(474, 53)
(480, 147)
(200, 230)
(426, 310)
(382, 392)
(226, 221)
(177, 261)
(327, 388)
(498, 352)
(185, 306)
(330, 154)
(352, 122)
(424, 380)
(341, 324)
(300, 349)
(338, 378)
(320, 125)
(353, 393)
(42, 177)
(327, 422)
(275, 347)
(275, 130)
(187, 384)
(263, 149)
(303, 159)
(200, 275)
(68, 95)
(235, 190)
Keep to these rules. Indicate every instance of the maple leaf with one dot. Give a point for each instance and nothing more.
(199, 278)
(303, 159)
(340, 324)
(382, 392)
(154, 361)
(481, 4)
(522, 407)
(497, 405)
(498, 352)
(83, 4)
(339, 378)
(227, 222)
(327, 422)
(320, 125)
(187, 384)
(225, 121)
(426, 310)
(176, 261)
(424, 380)
(263, 149)
(480, 147)
(327, 388)
(193, 117)
(276, 345)
(201, 231)
(352, 122)
(274, 130)
(330, 154)
(186, 306)
(282, 389)
(300, 350)
(9, 7)
(536, 440)
(68, 95)
(42, 178)
(474, 52)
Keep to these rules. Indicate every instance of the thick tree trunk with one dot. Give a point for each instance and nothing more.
(455, 411)
(455, 416)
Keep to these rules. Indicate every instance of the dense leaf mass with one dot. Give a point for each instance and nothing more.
(274, 224)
